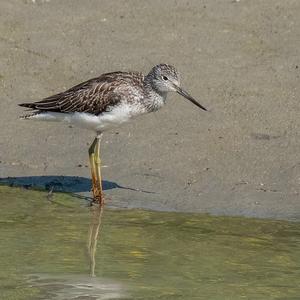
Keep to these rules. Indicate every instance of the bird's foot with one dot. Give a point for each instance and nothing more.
(98, 197)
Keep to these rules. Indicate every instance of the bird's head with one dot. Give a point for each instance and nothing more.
(165, 78)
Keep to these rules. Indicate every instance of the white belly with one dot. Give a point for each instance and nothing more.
(118, 115)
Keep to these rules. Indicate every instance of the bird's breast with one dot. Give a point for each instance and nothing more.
(154, 102)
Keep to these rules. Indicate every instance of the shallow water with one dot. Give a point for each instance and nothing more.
(51, 250)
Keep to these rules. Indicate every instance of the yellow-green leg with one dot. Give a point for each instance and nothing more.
(95, 162)
(92, 163)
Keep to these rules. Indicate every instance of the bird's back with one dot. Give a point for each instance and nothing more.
(94, 96)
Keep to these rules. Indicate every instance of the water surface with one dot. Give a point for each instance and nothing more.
(63, 249)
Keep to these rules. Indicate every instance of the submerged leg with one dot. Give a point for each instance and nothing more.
(94, 156)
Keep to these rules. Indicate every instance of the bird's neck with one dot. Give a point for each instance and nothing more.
(154, 99)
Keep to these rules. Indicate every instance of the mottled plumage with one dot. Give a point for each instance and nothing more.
(94, 96)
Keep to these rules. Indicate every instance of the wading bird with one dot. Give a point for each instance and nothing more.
(107, 101)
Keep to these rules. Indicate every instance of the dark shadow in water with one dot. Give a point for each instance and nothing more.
(69, 184)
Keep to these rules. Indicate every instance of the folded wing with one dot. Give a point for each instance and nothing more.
(93, 96)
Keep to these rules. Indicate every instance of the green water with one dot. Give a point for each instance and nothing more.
(48, 250)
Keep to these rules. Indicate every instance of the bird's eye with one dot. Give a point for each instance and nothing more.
(165, 78)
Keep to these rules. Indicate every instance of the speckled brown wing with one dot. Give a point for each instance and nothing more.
(93, 96)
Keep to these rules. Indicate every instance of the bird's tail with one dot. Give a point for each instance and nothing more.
(30, 106)
(28, 116)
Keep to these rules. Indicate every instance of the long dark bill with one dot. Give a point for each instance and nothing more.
(186, 95)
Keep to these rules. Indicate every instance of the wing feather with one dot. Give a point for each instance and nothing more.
(93, 96)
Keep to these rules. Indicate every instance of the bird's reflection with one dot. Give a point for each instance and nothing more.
(76, 286)
(93, 235)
